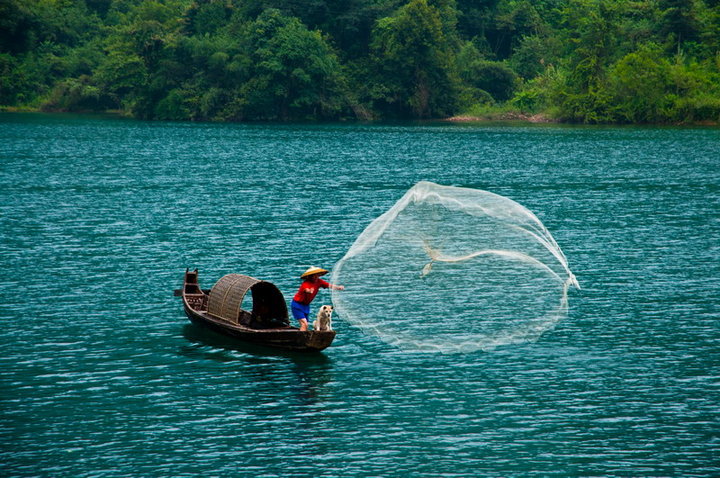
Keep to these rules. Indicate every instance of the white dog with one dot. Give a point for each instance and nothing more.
(323, 322)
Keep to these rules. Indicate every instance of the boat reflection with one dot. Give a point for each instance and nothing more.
(202, 337)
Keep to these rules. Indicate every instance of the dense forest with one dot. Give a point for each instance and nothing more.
(589, 61)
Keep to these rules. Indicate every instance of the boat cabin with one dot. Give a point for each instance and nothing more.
(269, 309)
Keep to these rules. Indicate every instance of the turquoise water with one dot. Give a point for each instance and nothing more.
(102, 375)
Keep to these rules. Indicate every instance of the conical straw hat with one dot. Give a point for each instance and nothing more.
(312, 271)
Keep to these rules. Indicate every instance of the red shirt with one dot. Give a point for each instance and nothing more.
(308, 290)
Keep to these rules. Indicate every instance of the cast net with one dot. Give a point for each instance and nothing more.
(453, 269)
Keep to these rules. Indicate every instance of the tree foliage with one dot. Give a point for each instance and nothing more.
(592, 61)
(413, 58)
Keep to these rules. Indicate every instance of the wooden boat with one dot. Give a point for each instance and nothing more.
(220, 309)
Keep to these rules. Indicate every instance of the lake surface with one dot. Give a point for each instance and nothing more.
(102, 375)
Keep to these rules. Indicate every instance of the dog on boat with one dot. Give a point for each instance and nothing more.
(323, 321)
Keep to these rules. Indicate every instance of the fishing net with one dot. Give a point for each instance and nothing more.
(453, 269)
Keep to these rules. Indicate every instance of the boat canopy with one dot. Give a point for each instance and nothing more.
(226, 299)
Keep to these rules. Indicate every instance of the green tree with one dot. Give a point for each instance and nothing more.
(414, 64)
(679, 20)
(534, 54)
(649, 88)
(12, 83)
(207, 16)
(46, 41)
(18, 27)
(513, 20)
(592, 27)
(294, 75)
(585, 60)
(492, 77)
(139, 68)
(640, 84)
(120, 77)
(475, 17)
(593, 39)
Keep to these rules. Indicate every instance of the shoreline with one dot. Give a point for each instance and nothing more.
(538, 118)
(541, 118)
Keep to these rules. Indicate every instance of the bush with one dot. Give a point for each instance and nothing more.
(539, 93)
(696, 109)
(639, 84)
(494, 77)
(172, 107)
(76, 94)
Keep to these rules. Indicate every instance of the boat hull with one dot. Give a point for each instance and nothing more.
(286, 338)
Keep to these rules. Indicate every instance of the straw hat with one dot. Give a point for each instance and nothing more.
(312, 271)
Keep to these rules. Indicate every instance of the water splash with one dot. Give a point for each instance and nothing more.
(450, 270)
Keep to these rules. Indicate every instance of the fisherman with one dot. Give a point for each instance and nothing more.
(312, 283)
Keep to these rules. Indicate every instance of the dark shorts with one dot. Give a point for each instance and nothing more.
(300, 311)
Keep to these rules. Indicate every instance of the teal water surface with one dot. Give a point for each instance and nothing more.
(102, 375)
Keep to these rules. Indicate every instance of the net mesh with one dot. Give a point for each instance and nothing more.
(453, 269)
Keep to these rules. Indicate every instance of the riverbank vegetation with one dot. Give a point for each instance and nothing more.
(587, 61)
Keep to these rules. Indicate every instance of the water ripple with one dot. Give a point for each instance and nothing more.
(102, 375)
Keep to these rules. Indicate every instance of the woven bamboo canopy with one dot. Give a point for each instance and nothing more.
(226, 299)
